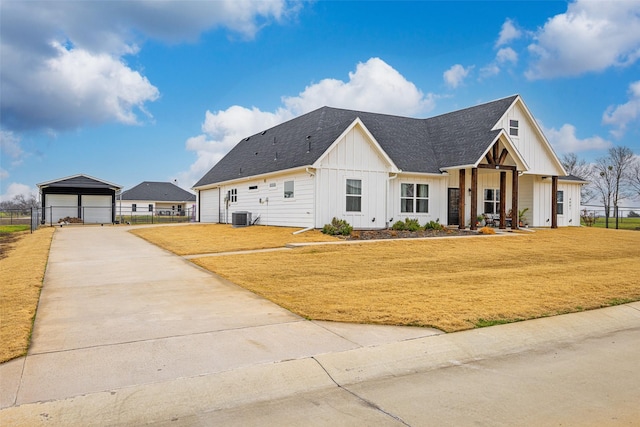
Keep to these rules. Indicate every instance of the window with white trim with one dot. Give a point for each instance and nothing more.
(288, 190)
(233, 195)
(354, 195)
(560, 202)
(414, 198)
(513, 127)
(150, 207)
(491, 201)
(134, 207)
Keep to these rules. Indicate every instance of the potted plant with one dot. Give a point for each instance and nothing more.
(521, 218)
(480, 220)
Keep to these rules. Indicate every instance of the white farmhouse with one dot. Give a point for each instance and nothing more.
(374, 169)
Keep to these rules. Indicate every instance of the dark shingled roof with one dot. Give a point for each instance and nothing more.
(158, 192)
(79, 181)
(414, 145)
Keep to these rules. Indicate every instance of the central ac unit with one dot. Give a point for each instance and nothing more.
(241, 219)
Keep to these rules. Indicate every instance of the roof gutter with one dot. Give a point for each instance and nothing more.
(250, 177)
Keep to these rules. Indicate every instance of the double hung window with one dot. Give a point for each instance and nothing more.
(560, 202)
(491, 201)
(414, 198)
(354, 195)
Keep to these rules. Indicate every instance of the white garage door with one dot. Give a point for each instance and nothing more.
(96, 209)
(61, 206)
(209, 208)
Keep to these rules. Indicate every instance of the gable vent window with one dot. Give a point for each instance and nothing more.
(513, 127)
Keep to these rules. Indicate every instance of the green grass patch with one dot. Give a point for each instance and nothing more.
(623, 223)
(484, 323)
(14, 228)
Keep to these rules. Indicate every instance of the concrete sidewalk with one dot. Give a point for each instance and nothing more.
(128, 334)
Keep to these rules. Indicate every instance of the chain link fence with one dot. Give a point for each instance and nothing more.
(85, 215)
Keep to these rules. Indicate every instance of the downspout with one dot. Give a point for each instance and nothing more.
(315, 198)
(386, 198)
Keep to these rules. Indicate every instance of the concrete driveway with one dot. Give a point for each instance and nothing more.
(128, 334)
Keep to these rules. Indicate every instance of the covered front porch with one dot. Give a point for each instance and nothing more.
(492, 188)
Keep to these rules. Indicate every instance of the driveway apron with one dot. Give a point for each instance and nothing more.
(116, 311)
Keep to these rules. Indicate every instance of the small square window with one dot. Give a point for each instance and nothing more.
(288, 190)
(253, 187)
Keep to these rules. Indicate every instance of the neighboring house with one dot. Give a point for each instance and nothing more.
(89, 199)
(374, 169)
(157, 198)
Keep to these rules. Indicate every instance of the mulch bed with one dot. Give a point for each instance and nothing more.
(393, 234)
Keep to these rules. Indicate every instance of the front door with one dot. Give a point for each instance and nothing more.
(453, 217)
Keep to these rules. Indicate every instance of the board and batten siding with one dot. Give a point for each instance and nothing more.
(209, 202)
(530, 145)
(354, 156)
(437, 199)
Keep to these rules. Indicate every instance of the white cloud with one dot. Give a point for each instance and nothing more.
(489, 71)
(455, 75)
(621, 115)
(15, 189)
(10, 145)
(373, 86)
(506, 55)
(564, 140)
(4, 174)
(590, 37)
(63, 62)
(508, 33)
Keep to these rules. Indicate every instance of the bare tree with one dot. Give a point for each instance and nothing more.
(621, 160)
(20, 202)
(581, 169)
(603, 182)
(634, 176)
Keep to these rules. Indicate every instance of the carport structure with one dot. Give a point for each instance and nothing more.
(89, 199)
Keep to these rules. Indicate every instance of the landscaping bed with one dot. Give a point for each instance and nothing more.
(404, 234)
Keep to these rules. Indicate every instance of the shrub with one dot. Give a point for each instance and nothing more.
(398, 226)
(487, 230)
(633, 214)
(433, 225)
(337, 227)
(407, 225)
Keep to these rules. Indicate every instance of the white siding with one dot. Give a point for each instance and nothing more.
(531, 146)
(61, 206)
(267, 202)
(571, 215)
(525, 195)
(353, 157)
(96, 209)
(437, 199)
(209, 205)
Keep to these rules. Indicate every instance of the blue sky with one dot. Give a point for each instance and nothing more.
(131, 91)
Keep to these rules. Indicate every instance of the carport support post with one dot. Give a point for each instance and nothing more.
(554, 201)
(474, 199)
(461, 187)
(503, 199)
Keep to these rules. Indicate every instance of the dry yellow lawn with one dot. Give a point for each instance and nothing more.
(21, 274)
(450, 284)
(215, 238)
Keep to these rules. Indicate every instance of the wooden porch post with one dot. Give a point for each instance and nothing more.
(554, 201)
(474, 198)
(514, 200)
(503, 199)
(461, 187)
